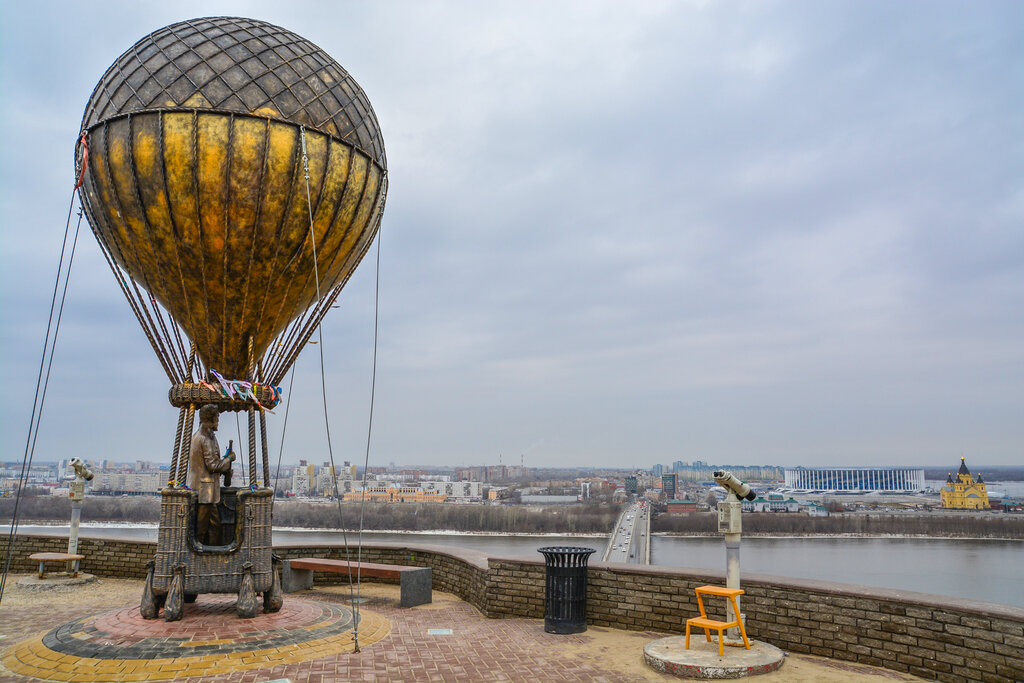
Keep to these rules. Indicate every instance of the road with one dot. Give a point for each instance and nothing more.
(629, 540)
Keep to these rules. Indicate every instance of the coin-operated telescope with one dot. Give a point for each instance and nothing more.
(77, 489)
(730, 524)
(82, 470)
(733, 485)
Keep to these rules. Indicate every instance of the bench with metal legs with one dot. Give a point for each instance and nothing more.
(43, 558)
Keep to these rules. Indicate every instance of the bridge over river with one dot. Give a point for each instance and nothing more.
(630, 540)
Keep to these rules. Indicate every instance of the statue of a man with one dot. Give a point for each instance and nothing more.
(204, 469)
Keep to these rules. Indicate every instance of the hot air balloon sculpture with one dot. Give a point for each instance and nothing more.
(234, 176)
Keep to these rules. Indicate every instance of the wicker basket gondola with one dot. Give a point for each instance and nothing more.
(184, 395)
(214, 569)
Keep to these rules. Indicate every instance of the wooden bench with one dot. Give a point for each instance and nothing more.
(712, 624)
(415, 582)
(43, 558)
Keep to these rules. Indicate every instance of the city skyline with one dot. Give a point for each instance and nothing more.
(743, 232)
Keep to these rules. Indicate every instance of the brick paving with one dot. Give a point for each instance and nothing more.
(121, 645)
(478, 649)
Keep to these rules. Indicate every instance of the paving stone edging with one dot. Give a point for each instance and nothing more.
(935, 637)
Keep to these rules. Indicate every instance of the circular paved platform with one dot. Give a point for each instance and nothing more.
(210, 639)
(669, 655)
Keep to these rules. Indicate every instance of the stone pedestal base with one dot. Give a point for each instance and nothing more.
(669, 655)
(54, 580)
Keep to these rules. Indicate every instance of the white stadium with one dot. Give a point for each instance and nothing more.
(855, 479)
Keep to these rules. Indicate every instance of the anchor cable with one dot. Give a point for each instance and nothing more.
(284, 429)
(323, 389)
(241, 458)
(42, 382)
(373, 391)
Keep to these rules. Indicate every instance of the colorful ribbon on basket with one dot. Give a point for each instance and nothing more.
(237, 388)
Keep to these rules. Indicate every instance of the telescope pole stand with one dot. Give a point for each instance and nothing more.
(77, 494)
(729, 522)
(732, 578)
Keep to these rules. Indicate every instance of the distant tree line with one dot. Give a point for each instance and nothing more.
(981, 525)
(589, 518)
(575, 519)
(47, 508)
(583, 519)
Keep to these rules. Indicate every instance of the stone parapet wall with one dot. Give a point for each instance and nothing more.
(938, 638)
(122, 558)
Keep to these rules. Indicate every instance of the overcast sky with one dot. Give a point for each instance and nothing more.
(616, 234)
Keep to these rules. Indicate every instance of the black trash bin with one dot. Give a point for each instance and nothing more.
(565, 589)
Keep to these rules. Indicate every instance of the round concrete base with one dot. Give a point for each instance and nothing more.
(669, 655)
(54, 580)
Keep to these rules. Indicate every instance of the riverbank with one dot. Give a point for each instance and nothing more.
(852, 524)
(567, 520)
(57, 528)
(61, 528)
(668, 534)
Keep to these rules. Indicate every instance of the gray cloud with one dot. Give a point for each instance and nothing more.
(749, 232)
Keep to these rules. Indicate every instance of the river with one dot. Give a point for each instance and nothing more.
(986, 570)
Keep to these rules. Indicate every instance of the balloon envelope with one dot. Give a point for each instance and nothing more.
(196, 182)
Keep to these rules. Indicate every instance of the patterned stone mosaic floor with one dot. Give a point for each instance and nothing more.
(209, 640)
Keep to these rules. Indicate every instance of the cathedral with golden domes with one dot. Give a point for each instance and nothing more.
(964, 492)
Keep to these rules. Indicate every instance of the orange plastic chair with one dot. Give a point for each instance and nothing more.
(707, 624)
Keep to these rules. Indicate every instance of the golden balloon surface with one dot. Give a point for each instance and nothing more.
(196, 185)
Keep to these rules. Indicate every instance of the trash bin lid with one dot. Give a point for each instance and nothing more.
(566, 550)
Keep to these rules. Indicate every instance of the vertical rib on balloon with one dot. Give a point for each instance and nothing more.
(316, 314)
(171, 138)
(339, 224)
(256, 266)
(191, 203)
(299, 334)
(299, 263)
(282, 162)
(118, 157)
(357, 242)
(122, 168)
(145, 171)
(211, 176)
(100, 184)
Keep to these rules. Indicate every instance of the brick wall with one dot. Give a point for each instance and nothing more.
(104, 557)
(934, 637)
